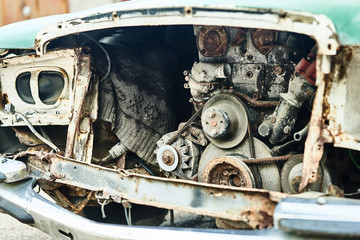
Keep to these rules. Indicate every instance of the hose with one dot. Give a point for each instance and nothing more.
(106, 55)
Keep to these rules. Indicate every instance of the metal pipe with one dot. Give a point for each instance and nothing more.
(300, 135)
(256, 103)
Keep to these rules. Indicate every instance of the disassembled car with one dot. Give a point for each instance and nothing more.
(244, 112)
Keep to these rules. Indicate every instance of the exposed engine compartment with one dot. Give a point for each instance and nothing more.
(211, 104)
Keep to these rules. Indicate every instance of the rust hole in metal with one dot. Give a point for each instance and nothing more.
(249, 74)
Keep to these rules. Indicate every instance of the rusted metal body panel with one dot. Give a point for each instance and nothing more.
(335, 113)
(63, 62)
(342, 98)
(253, 206)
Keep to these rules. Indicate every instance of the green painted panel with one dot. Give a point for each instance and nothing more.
(344, 14)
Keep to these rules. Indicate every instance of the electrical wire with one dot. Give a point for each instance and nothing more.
(352, 194)
(36, 133)
(106, 54)
(352, 158)
(145, 166)
(128, 215)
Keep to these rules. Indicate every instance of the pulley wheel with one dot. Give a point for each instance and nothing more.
(291, 177)
(229, 171)
(224, 120)
(267, 175)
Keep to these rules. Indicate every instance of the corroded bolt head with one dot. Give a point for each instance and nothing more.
(273, 119)
(277, 70)
(168, 157)
(237, 181)
(287, 130)
(213, 123)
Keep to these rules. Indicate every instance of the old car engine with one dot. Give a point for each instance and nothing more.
(249, 89)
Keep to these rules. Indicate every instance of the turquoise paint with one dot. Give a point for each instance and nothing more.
(344, 14)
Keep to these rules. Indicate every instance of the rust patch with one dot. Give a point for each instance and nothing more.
(212, 41)
(258, 219)
(4, 99)
(239, 37)
(264, 40)
(26, 137)
(317, 137)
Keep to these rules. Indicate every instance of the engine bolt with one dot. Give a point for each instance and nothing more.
(214, 123)
(277, 70)
(225, 173)
(287, 130)
(168, 157)
(211, 115)
(273, 119)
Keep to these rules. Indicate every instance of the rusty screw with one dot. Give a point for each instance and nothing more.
(287, 129)
(168, 157)
(273, 119)
(257, 96)
(278, 70)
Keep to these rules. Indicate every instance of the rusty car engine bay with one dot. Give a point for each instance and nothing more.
(213, 105)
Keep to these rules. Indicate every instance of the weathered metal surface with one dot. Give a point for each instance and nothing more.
(212, 41)
(42, 212)
(13, 171)
(38, 113)
(291, 177)
(239, 37)
(129, 9)
(263, 40)
(26, 137)
(314, 144)
(267, 174)
(328, 216)
(341, 99)
(228, 171)
(323, 30)
(223, 202)
(81, 86)
(257, 103)
(84, 138)
(334, 115)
